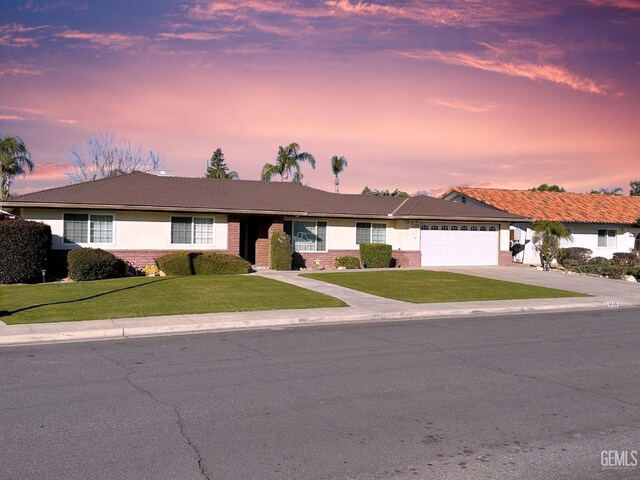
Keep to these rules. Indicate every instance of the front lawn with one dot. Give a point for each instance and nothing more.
(425, 286)
(141, 297)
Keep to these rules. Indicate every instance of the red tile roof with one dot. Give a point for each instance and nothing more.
(559, 207)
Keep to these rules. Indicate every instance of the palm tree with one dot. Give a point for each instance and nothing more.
(288, 161)
(546, 238)
(338, 165)
(15, 159)
(384, 193)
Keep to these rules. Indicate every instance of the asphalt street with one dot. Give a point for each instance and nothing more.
(513, 397)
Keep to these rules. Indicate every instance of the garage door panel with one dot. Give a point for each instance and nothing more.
(459, 247)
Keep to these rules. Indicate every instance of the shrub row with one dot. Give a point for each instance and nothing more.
(86, 264)
(24, 250)
(198, 263)
(347, 261)
(579, 260)
(375, 255)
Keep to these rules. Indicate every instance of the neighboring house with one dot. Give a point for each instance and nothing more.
(142, 216)
(605, 224)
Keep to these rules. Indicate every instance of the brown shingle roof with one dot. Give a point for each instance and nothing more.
(559, 207)
(142, 191)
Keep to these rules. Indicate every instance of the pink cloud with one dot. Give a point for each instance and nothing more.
(457, 104)
(498, 60)
(50, 171)
(197, 36)
(454, 13)
(624, 4)
(16, 69)
(117, 41)
(12, 117)
(18, 36)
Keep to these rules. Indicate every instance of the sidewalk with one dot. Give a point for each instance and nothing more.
(363, 308)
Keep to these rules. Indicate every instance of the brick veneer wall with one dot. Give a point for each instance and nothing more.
(233, 234)
(327, 259)
(263, 243)
(505, 259)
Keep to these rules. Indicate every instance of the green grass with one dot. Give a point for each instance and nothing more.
(425, 286)
(141, 296)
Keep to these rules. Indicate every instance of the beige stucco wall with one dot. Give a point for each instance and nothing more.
(401, 234)
(132, 230)
(341, 233)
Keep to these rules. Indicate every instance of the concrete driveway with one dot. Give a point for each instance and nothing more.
(618, 290)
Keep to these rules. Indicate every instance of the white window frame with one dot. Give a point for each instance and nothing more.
(372, 223)
(310, 220)
(193, 233)
(608, 237)
(89, 215)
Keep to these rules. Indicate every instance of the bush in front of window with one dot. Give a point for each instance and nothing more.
(219, 264)
(199, 263)
(347, 261)
(24, 249)
(176, 263)
(375, 255)
(86, 264)
(280, 251)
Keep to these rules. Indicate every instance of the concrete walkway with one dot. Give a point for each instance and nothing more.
(362, 308)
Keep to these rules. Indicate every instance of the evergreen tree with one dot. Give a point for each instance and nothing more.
(218, 169)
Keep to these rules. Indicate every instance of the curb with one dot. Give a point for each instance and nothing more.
(186, 324)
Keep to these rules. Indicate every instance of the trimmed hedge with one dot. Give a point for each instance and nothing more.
(24, 249)
(199, 263)
(579, 254)
(626, 258)
(280, 251)
(176, 263)
(347, 261)
(375, 255)
(86, 264)
(219, 264)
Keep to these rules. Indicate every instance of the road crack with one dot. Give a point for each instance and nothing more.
(179, 421)
(173, 406)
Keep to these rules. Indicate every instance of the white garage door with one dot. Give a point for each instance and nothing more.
(461, 244)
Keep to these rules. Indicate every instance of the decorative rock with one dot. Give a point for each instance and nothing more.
(539, 269)
(629, 278)
(342, 268)
(162, 274)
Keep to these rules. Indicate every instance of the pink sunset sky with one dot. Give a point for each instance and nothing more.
(417, 95)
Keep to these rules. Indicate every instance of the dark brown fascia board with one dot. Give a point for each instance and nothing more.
(462, 219)
(146, 208)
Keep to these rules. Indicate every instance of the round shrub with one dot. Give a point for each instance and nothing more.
(626, 259)
(219, 264)
(375, 255)
(94, 264)
(579, 254)
(347, 261)
(281, 251)
(24, 250)
(176, 263)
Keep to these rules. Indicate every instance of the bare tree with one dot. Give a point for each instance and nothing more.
(106, 158)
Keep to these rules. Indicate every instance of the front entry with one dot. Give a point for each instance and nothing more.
(254, 238)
